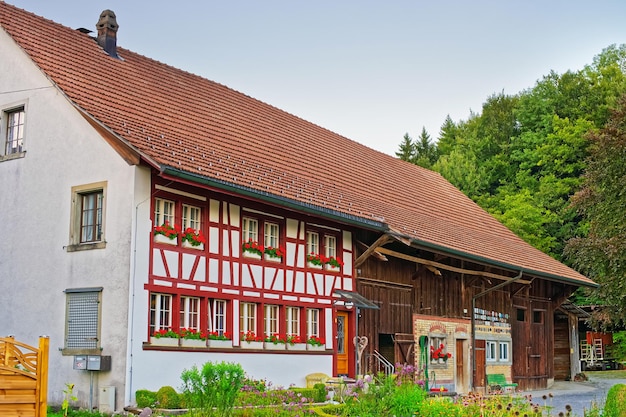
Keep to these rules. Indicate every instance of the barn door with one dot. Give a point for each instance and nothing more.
(479, 374)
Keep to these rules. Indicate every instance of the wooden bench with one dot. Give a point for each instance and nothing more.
(497, 382)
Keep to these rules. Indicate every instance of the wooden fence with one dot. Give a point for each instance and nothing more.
(23, 378)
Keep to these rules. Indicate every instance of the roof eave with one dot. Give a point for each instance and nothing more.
(499, 264)
(276, 200)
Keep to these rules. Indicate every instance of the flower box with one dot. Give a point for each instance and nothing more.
(271, 258)
(316, 348)
(165, 239)
(164, 341)
(251, 345)
(332, 268)
(314, 266)
(188, 245)
(251, 255)
(220, 344)
(296, 346)
(193, 343)
(273, 346)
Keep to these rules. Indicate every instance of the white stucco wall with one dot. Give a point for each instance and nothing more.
(62, 151)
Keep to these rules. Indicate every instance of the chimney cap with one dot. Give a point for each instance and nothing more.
(107, 21)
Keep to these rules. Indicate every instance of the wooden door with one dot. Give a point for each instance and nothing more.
(479, 374)
(460, 360)
(343, 350)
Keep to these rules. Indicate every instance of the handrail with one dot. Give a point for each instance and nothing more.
(384, 363)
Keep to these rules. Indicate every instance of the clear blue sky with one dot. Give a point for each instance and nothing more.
(369, 70)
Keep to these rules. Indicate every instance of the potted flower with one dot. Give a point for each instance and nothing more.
(164, 337)
(274, 342)
(333, 264)
(166, 233)
(438, 355)
(315, 343)
(315, 260)
(251, 340)
(295, 342)
(193, 239)
(220, 340)
(193, 338)
(252, 249)
(273, 254)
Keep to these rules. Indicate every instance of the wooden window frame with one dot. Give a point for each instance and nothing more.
(161, 214)
(248, 317)
(13, 133)
(76, 217)
(217, 313)
(189, 312)
(271, 319)
(160, 315)
(313, 322)
(190, 220)
(292, 320)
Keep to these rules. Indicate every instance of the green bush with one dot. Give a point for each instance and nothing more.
(320, 393)
(145, 398)
(615, 405)
(167, 397)
(214, 388)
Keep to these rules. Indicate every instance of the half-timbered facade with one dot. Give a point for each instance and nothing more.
(168, 204)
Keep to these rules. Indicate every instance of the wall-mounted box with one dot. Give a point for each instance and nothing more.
(80, 363)
(98, 363)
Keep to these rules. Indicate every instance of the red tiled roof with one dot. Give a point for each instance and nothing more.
(200, 127)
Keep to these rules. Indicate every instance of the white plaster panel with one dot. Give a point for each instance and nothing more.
(214, 277)
(226, 273)
(270, 296)
(235, 211)
(246, 278)
(331, 283)
(186, 286)
(251, 294)
(163, 283)
(292, 228)
(158, 267)
(214, 240)
(290, 255)
(347, 284)
(200, 274)
(214, 211)
(328, 337)
(279, 282)
(207, 289)
(302, 231)
(347, 240)
(171, 258)
(226, 244)
(307, 299)
(301, 255)
(188, 261)
(290, 298)
(347, 263)
(235, 273)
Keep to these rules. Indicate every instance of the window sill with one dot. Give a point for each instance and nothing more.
(85, 246)
(79, 351)
(9, 157)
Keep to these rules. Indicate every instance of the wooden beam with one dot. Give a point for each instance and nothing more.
(439, 265)
(382, 240)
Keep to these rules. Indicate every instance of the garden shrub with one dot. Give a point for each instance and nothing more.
(213, 389)
(320, 393)
(615, 405)
(168, 398)
(145, 398)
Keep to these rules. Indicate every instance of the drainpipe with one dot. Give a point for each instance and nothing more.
(474, 298)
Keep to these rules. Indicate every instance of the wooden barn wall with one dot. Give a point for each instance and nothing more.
(561, 348)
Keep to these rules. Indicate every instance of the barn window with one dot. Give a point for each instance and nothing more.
(521, 314)
(82, 319)
(538, 316)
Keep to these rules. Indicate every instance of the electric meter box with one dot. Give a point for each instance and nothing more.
(98, 363)
(80, 363)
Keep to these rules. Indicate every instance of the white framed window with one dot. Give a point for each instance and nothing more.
(250, 229)
(189, 315)
(312, 322)
(191, 217)
(271, 238)
(491, 349)
(217, 316)
(330, 246)
(271, 319)
(13, 137)
(504, 351)
(160, 312)
(293, 320)
(87, 217)
(163, 212)
(82, 319)
(312, 242)
(247, 317)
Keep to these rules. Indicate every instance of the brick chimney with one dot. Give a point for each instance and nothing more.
(107, 32)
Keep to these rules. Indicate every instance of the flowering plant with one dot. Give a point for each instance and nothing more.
(250, 336)
(170, 232)
(274, 252)
(252, 246)
(319, 260)
(218, 336)
(166, 333)
(192, 334)
(194, 238)
(293, 339)
(439, 353)
(275, 338)
(315, 341)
